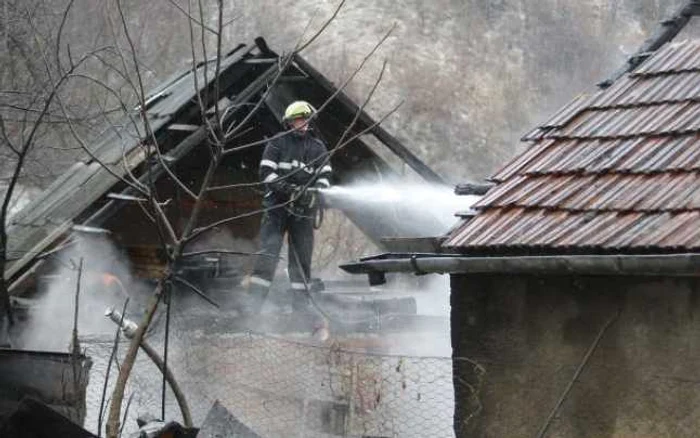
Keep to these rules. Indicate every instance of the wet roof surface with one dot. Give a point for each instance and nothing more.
(617, 170)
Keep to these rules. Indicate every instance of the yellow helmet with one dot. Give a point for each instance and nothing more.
(298, 110)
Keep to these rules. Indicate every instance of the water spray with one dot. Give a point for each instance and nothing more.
(429, 209)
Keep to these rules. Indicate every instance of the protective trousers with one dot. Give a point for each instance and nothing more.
(300, 240)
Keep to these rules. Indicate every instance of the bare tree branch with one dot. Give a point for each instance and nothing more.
(191, 18)
(64, 18)
(128, 363)
(196, 290)
(323, 28)
(112, 357)
(5, 137)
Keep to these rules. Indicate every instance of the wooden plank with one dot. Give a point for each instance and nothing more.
(32, 240)
(41, 200)
(49, 237)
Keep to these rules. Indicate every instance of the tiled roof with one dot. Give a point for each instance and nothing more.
(615, 171)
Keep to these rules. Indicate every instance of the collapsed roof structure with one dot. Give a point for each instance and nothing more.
(90, 196)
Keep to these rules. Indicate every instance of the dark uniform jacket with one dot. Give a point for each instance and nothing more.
(300, 159)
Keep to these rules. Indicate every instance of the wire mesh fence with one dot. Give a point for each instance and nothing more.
(284, 388)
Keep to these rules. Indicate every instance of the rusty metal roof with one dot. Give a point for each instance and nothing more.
(618, 170)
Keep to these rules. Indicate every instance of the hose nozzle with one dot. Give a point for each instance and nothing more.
(128, 326)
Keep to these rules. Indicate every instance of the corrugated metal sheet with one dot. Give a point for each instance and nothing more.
(616, 171)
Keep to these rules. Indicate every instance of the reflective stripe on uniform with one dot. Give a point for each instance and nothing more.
(271, 177)
(326, 168)
(260, 281)
(268, 163)
(287, 165)
(298, 286)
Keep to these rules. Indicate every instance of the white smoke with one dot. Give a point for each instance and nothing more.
(105, 281)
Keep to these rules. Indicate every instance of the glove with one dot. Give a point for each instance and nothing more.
(284, 188)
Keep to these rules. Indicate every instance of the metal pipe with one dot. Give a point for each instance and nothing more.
(129, 328)
(641, 265)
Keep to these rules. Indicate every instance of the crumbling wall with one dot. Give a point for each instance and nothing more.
(531, 334)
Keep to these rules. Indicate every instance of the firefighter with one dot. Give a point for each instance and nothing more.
(290, 164)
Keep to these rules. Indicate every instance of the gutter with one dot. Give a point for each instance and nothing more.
(677, 265)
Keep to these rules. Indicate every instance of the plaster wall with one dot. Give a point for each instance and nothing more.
(524, 337)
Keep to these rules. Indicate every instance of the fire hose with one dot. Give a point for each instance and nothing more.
(305, 200)
(129, 328)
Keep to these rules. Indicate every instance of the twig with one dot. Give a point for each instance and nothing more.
(128, 363)
(195, 79)
(76, 304)
(323, 28)
(66, 12)
(6, 138)
(126, 413)
(196, 290)
(190, 17)
(168, 301)
(217, 70)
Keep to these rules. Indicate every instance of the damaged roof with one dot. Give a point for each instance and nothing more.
(88, 194)
(616, 171)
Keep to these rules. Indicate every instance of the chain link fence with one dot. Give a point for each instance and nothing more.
(284, 388)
